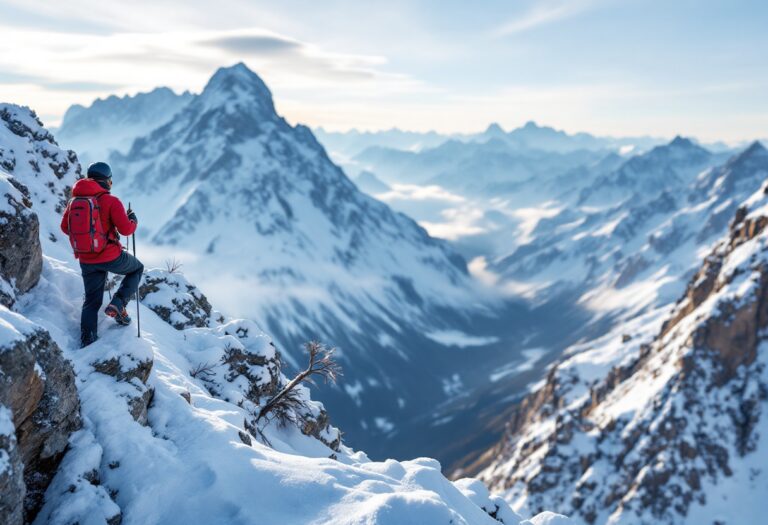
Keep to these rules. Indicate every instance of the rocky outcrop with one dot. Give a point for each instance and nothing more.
(133, 369)
(37, 386)
(242, 365)
(31, 156)
(21, 255)
(177, 301)
(12, 488)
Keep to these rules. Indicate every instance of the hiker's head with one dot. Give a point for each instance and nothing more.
(101, 173)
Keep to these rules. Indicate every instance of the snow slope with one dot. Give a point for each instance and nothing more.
(162, 444)
(663, 419)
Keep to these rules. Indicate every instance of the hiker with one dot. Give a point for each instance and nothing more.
(94, 220)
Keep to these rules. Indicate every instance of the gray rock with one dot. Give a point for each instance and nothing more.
(12, 487)
(21, 256)
(38, 386)
(134, 371)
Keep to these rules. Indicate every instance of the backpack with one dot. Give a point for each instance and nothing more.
(86, 231)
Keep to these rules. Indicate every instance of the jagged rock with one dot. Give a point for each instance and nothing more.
(315, 422)
(38, 387)
(176, 300)
(133, 370)
(21, 255)
(12, 488)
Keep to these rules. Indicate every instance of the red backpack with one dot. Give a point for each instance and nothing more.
(86, 231)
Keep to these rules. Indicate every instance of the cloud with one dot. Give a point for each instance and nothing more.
(82, 86)
(541, 14)
(259, 44)
(52, 65)
(412, 192)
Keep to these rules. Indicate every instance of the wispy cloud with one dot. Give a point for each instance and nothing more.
(540, 14)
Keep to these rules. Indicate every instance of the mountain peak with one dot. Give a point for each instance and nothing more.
(531, 125)
(238, 85)
(755, 148)
(494, 129)
(682, 142)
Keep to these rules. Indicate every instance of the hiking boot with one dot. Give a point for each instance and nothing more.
(121, 317)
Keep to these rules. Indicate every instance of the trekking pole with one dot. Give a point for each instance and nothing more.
(138, 314)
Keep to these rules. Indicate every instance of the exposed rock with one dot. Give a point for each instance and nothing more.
(133, 370)
(176, 300)
(37, 385)
(12, 488)
(21, 256)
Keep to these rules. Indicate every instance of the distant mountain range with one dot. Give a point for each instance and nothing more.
(113, 123)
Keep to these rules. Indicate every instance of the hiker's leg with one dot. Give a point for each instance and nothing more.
(94, 279)
(131, 268)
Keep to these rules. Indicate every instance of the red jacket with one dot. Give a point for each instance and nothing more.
(113, 218)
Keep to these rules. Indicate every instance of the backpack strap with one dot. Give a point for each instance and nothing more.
(112, 235)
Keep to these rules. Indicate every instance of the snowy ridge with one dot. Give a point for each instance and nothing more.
(663, 419)
(113, 123)
(634, 252)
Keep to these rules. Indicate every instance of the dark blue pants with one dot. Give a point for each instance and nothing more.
(94, 279)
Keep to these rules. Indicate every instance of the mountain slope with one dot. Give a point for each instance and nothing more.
(300, 249)
(665, 424)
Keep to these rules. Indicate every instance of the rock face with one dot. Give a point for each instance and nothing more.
(21, 256)
(675, 423)
(37, 389)
(12, 487)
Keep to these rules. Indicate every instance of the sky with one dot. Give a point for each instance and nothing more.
(610, 67)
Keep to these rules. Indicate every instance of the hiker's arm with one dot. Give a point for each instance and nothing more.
(120, 219)
(65, 221)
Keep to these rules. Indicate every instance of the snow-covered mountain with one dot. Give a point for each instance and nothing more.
(163, 429)
(278, 233)
(662, 420)
(474, 167)
(370, 183)
(113, 123)
(635, 248)
(343, 146)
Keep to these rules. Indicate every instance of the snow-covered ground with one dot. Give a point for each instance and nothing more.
(190, 465)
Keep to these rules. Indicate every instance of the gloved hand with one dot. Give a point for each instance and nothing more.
(132, 216)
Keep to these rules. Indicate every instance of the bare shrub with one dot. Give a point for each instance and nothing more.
(203, 369)
(286, 403)
(173, 265)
